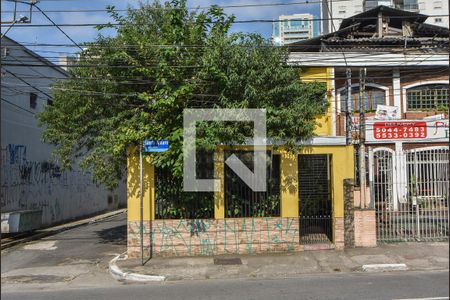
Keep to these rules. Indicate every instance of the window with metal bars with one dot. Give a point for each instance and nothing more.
(173, 203)
(427, 97)
(241, 201)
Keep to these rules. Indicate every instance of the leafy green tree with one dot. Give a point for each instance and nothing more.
(163, 59)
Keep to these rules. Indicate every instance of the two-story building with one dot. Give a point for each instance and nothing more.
(406, 85)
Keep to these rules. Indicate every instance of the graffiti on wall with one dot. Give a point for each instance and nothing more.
(42, 185)
(216, 237)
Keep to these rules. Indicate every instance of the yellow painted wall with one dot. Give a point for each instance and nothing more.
(289, 184)
(342, 168)
(134, 208)
(325, 75)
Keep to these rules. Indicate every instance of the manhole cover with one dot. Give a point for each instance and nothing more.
(227, 261)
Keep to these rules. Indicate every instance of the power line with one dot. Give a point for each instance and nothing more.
(208, 22)
(91, 92)
(339, 48)
(188, 8)
(17, 106)
(137, 79)
(28, 83)
(299, 64)
(356, 57)
(59, 28)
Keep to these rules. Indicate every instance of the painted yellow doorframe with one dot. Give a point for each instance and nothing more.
(342, 167)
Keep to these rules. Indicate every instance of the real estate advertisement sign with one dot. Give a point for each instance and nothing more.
(413, 131)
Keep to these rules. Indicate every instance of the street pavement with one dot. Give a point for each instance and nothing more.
(76, 257)
(408, 285)
(416, 257)
(74, 265)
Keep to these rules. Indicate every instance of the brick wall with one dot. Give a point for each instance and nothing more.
(216, 237)
(365, 228)
(359, 224)
(338, 226)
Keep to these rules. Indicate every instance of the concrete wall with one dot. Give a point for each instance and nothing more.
(30, 180)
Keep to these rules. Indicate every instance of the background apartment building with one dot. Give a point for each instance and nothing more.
(334, 11)
(294, 28)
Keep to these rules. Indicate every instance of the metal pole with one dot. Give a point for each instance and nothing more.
(348, 107)
(362, 136)
(9, 28)
(141, 196)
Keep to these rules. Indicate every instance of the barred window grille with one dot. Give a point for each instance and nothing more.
(427, 97)
(241, 201)
(173, 203)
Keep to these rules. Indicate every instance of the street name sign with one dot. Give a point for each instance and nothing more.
(156, 145)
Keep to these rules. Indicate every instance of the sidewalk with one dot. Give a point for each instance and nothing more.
(416, 256)
(9, 242)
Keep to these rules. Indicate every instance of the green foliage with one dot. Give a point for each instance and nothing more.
(163, 59)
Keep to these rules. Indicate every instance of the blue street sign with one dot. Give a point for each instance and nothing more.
(156, 145)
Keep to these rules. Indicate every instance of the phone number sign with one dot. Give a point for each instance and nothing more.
(399, 130)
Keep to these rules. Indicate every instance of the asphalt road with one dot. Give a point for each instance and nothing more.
(408, 285)
(76, 257)
(73, 265)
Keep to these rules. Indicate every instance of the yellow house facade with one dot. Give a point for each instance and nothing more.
(290, 229)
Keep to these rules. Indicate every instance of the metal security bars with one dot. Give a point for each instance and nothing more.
(314, 176)
(173, 203)
(424, 97)
(241, 201)
(411, 194)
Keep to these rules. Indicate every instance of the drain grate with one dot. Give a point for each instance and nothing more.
(227, 261)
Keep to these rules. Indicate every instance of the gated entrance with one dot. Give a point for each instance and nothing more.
(315, 208)
(411, 193)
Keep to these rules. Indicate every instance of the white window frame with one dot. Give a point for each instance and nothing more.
(406, 87)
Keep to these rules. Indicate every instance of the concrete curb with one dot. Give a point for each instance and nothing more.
(118, 274)
(57, 229)
(384, 267)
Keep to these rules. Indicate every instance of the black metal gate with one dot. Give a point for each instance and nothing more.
(315, 206)
(241, 201)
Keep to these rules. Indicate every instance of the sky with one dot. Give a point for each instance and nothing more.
(51, 35)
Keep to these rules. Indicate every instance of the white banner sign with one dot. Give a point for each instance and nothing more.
(385, 112)
(412, 131)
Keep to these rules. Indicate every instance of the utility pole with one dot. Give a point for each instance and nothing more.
(348, 108)
(362, 136)
(21, 19)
